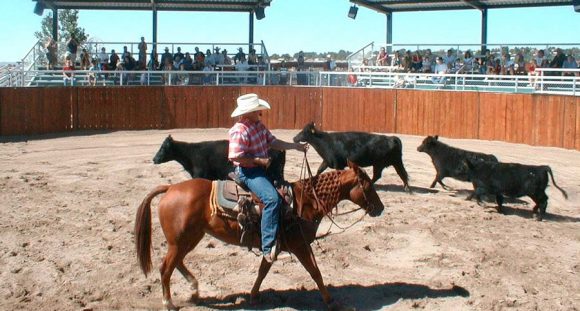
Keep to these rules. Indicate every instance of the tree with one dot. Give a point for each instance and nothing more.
(67, 25)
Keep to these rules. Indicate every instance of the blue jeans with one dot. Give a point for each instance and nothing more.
(256, 180)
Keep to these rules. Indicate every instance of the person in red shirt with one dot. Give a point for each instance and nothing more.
(68, 75)
(248, 150)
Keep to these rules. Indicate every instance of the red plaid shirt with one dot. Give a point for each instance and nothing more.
(249, 139)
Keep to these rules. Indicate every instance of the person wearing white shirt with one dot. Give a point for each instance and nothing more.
(103, 58)
(440, 71)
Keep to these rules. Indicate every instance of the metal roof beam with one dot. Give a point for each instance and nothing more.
(371, 5)
(474, 4)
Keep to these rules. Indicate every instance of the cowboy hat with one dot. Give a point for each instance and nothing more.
(249, 103)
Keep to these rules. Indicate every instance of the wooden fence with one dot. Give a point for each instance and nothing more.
(545, 120)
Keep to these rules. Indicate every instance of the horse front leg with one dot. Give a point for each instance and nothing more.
(262, 272)
(306, 257)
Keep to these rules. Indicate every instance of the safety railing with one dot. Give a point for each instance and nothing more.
(542, 81)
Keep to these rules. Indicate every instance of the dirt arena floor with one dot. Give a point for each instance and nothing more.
(68, 204)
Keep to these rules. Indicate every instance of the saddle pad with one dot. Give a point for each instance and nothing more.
(226, 194)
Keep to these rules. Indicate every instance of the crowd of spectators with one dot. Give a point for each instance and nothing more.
(501, 63)
(100, 64)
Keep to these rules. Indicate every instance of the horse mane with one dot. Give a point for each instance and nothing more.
(326, 188)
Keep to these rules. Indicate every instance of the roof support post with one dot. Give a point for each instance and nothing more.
(483, 30)
(389, 16)
(251, 38)
(55, 24)
(154, 35)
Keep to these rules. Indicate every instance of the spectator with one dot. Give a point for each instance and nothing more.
(416, 62)
(187, 62)
(177, 62)
(207, 77)
(103, 58)
(449, 59)
(153, 63)
(71, 46)
(541, 59)
(396, 61)
(227, 59)
(113, 60)
(209, 58)
(199, 59)
(219, 57)
(300, 60)
(330, 63)
(441, 70)
(178, 54)
(431, 62)
(519, 64)
(283, 73)
(242, 65)
(407, 61)
(166, 56)
(142, 52)
(570, 63)
(491, 65)
(558, 60)
(125, 52)
(120, 67)
(51, 48)
(382, 57)
(252, 57)
(167, 66)
(532, 74)
(483, 61)
(93, 72)
(85, 60)
(468, 62)
(239, 55)
(68, 75)
(457, 66)
(426, 66)
(507, 65)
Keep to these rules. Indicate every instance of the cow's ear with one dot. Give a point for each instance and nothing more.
(436, 137)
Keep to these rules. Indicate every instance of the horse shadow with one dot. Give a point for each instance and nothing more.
(375, 297)
(401, 188)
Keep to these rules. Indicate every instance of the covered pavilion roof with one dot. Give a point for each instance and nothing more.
(159, 5)
(391, 6)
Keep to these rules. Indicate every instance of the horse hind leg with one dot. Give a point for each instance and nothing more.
(166, 269)
(194, 285)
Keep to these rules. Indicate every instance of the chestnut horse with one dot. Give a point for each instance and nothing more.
(186, 215)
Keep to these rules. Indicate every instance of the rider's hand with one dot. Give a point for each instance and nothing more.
(265, 162)
(302, 147)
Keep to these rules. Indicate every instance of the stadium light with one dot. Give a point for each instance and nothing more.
(352, 11)
(260, 13)
(39, 8)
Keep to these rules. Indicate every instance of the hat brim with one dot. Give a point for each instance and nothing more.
(262, 105)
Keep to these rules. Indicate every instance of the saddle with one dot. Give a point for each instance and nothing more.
(235, 200)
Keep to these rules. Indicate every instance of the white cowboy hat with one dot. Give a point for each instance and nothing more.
(249, 103)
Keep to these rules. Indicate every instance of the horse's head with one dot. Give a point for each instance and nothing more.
(164, 153)
(363, 192)
(307, 133)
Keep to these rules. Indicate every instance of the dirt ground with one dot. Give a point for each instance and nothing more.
(68, 204)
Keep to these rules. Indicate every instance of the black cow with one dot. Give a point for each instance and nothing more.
(513, 180)
(364, 149)
(209, 159)
(450, 161)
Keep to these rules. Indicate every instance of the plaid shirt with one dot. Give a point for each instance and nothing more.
(249, 139)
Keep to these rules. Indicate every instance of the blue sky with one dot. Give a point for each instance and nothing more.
(309, 25)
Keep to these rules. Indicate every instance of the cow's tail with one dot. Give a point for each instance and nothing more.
(554, 182)
(143, 229)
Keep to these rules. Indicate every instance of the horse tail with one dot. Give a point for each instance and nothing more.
(143, 229)
(554, 182)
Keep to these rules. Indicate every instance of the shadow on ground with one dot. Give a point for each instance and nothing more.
(359, 297)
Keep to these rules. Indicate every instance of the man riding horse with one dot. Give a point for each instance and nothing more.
(248, 150)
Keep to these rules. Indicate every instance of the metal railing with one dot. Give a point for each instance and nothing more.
(544, 80)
